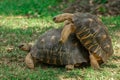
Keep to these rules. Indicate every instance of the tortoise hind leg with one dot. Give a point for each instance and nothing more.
(93, 62)
(69, 67)
(30, 62)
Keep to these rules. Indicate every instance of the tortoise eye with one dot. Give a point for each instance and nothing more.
(54, 18)
(20, 46)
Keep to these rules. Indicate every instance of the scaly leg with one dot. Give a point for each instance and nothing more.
(67, 30)
(30, 62)
(69, 67)
(93, 61)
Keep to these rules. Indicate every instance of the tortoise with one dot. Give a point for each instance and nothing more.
(46, 50)
(91, 32)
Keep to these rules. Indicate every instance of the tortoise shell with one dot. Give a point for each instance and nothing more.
(93, 34)
(46, 49)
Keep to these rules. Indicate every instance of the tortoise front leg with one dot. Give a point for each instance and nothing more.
(30, 62)
(63, 17)
(93, 62)
(67, 30)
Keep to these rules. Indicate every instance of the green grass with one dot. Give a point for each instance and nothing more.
(15, 30)
(37, 8)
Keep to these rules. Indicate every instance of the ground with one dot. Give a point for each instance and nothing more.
(16, 29)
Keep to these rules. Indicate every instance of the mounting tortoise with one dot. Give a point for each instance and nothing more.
(91, 32)
(47, 50)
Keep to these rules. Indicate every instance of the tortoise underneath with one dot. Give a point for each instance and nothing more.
(47, 50)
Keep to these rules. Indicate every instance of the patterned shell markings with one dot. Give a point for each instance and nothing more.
(72, 52)
(93, 34)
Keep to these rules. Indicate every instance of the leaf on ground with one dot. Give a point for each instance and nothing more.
(24, 27)
(10, 49)
(3, 40)
(117, 34)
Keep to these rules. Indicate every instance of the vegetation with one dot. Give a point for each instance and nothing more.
(36, 8)
(16, 28)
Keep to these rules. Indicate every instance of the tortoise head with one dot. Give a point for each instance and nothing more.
(25, 46)
(63, 17)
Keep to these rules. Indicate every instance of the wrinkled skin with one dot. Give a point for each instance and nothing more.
(48, 50)
(91, 32)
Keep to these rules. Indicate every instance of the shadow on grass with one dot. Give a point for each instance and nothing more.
(115, 60)
(110, 66)
(115, 57)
